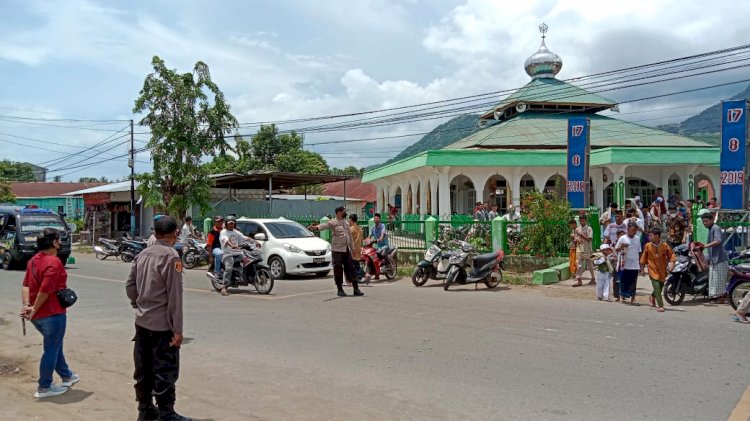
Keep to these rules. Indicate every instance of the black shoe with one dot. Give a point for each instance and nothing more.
(341, 292)
(174, 417)
(148, 414)
(358, 293)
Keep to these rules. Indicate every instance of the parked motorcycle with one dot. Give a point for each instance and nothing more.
(129, 248)
(434, 265)
(686, 276)
(195, 253)
(388, 256)
(485, 268)
(249, 269)
(739, 283)
(107, 247)
(370, 260)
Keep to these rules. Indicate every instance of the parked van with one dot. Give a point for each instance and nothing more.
(19, 227)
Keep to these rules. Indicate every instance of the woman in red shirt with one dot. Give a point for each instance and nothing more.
(45, 275)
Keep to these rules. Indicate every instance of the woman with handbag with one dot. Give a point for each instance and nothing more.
(45, 296)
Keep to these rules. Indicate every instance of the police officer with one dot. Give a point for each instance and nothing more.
(154, 288)
(343, 252)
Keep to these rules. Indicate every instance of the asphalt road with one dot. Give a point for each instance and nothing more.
(399, 353)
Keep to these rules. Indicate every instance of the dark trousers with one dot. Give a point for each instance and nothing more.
(157, 367)
(343, 264)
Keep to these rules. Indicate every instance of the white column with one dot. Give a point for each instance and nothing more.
(434, 195)
(597, 177)
(515, 189)
(444, 207)
(422, 195)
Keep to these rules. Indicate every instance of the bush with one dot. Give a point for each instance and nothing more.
(544, 228)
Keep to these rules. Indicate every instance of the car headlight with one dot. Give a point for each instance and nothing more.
(328, 247)
(292, 248)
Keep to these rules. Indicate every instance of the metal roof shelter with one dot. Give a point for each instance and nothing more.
(266, 179)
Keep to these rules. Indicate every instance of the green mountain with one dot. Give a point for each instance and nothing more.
(441, 136)
(706, 125)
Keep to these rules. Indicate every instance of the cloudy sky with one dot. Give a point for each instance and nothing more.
(275, 61)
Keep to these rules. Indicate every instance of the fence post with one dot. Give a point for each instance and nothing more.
(207, 224)
(430, 230)
(325, 234)
(497, 231)
(503, 234)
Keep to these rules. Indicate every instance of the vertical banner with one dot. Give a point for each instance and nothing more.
(733, 154)
(578, 162)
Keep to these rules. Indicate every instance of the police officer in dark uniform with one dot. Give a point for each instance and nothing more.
(154, 288)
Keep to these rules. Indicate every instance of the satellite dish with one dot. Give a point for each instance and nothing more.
(521, 107)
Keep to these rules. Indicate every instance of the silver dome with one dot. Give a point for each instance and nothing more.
(543, 64)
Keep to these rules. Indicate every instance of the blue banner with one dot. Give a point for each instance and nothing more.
(578, 162)
(733, 154)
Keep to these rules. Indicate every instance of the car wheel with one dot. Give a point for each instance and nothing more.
(277, 267)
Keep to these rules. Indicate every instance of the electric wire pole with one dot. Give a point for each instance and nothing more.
(131, 164)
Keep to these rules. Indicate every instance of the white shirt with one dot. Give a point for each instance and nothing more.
(227, 239)
(187, 230)
(633, 245)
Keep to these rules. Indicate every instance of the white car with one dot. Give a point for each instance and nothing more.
(288, 247)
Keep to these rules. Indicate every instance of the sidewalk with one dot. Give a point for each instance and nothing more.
(565, 289)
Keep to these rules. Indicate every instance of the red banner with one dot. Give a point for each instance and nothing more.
(93, 199)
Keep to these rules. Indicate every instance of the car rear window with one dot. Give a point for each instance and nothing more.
(288, 230)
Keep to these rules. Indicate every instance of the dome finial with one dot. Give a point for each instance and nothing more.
(544, 63)
(543, 28)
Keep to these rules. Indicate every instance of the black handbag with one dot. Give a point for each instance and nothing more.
(66, 296)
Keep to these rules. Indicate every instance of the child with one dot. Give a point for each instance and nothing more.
(657, 256)
(572, 248)
(602, 260)
(583, 236)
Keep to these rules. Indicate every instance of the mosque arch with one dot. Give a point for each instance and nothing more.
(463, 195)
(527, 183)
(497, 192)
(704, 187)
(556, 185)
(428, 198)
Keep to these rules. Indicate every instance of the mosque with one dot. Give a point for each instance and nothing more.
(524, 146)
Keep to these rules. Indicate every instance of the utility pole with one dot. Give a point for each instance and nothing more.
(131, 164)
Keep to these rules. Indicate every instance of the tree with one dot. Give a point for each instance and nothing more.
(185, 125)
(350, 170)
(268, 145)
(88, 180)
(6, 194)
(302, 161)
(57, 178)
(16, 171)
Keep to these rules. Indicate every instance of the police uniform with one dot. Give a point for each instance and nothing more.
(154, 288)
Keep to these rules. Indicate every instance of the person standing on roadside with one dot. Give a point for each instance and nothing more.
(154, 288)
(583, 236)
(718, 266)
(342, 247)
(572, 262)
(357, 237)
(656, 256)
(45, 275)
(630, 247)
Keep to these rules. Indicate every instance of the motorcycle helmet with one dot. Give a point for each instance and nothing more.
(230, 219)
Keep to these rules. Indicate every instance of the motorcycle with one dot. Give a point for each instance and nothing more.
(129, 248)
(249, 269)
(388, 256)
(686, 276)
(485, 268)
(369, 260)
(195, 253)
(107, 248)
(434, 265)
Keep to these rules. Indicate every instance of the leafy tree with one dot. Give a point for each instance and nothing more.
(57, 178)
(350, 170)
(268, 145)
(16, 171)
(301, 161)
(88, 180)
(242, 163)
(186, 125)
(6, 194)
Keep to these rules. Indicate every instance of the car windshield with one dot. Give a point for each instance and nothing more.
(288, 230)
(38, 223)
